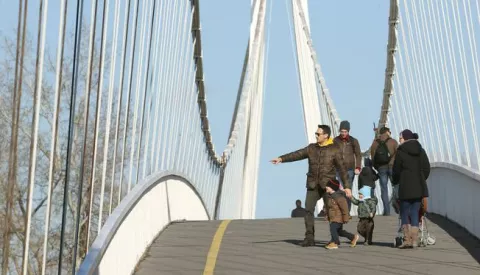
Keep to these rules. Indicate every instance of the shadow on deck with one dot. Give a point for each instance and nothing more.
(271, 246)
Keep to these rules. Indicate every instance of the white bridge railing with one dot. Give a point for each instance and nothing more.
(94, 118)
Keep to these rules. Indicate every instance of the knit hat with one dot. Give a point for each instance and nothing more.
(334, 184)
(345, 125)
(407, 134)
(366, 191)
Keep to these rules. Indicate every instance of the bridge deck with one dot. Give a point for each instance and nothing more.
(271, 247)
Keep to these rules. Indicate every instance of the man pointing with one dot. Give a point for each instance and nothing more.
(324, 160)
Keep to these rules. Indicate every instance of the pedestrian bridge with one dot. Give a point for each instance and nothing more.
(108, 166)
(271, 246)
(162, 227)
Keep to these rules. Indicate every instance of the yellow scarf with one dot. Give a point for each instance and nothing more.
(329, 141)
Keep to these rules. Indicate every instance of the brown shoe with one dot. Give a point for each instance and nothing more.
(353, 243)
(331, 246)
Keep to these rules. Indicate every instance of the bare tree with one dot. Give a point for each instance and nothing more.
(17, 228)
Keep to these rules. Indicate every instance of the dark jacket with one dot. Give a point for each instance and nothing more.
(323, 162)
(411, 170)
(392, 148)
(299, 212)
(337, 208)
(351, 153)
(366, 207)
(367, 177)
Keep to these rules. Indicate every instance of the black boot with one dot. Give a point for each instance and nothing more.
(367, 241)
(370, 232)
(308, 242)
(369, 238)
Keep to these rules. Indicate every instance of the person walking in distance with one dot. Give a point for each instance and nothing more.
(324, 159)
(299, 211)
(351, 153)
(382, 153)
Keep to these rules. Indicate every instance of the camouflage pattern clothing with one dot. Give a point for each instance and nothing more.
(366, 213)
(366, 207)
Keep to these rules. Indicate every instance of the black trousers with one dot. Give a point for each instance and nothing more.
(365, 228)
(337, 231)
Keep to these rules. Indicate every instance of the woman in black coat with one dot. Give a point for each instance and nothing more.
(411, 169)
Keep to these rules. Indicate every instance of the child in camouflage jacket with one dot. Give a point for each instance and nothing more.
(367, 207)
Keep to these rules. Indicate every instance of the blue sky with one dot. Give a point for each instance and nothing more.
(351, 44)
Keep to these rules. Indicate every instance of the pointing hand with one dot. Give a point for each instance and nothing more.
(276, 160)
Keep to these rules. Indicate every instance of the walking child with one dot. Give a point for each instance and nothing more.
(367, 207)
(337, 214)
(367, 202)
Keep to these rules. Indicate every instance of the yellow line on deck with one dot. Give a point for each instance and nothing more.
(215, 247)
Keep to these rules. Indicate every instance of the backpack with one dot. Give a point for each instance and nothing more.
(382, 155)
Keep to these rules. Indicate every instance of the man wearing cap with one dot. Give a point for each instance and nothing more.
(351, 153)
(324, 160)
(383, 152)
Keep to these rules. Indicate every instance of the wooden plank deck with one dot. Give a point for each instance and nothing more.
(270, 246)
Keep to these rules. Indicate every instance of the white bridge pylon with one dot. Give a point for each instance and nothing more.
(317, 104)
